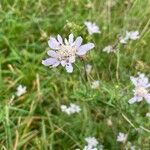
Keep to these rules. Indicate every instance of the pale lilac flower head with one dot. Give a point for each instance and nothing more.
(92, 27)
(91, 141)
(65, 51)
(109, 49)
(21, 90)
(92, 144)
(121, 137)
(132, 35)
(73, 108)
(141, 90)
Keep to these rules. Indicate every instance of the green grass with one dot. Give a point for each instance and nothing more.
(34, 121)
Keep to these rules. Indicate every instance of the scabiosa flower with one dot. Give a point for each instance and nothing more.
(73, 108)
(141, 90)
(109, 49)
(95, 84)
(92, 144)
(21, 90)
(92, 141)
(65, 52)
(92, 27)
(121, 137)
(132, 35)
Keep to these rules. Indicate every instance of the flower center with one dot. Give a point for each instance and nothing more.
(141, 91)
(66, 51)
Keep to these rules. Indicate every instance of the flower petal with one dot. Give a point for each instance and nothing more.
(134, 80)
(63, 63)
(53, 43)
(66, 42)
(72, 59)
(134, 35)
(56, 64)
(78, 41)
(132, 100)
(123, 40)
(69, 68)
(52, 53)
(147, 98)
(63, 108)
(59, 38)
(71, 37)
(49, 61)
(84, 48)
(139, 98)
(147, 86)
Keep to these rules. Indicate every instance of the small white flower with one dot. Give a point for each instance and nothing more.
(109, 49)
(92, 27)
(88, 68)
(21, 90)
(73, 108)
(121, 137)
(141, 91)
(148, 114)
(132, 35)
(95, 84)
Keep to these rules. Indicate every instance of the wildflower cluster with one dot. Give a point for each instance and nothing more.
(64, 53)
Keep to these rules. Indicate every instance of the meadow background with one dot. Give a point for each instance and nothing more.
(34, 121)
